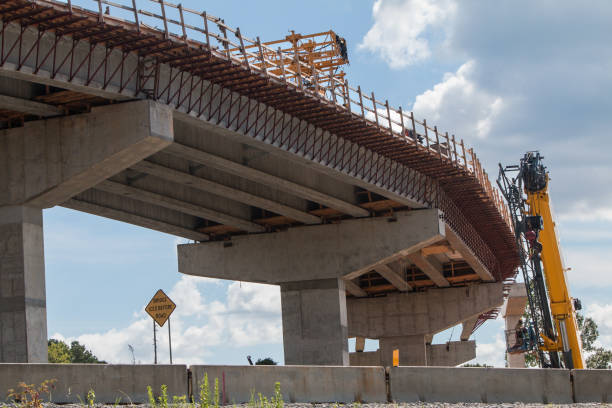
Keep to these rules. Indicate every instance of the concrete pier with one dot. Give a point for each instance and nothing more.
(406, 321)
(513, 310)
(46, 163)
(23, 319)
(314, 322)
(317, 265)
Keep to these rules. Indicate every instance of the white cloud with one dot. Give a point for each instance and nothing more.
(249, 316)
(601, 314)
(399, 33)
(491, 353)
(248, 297)
(590, 267)
(459, 104)
(582, 210)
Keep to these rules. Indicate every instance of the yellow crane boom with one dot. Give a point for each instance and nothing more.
(552, 328)
(561, 304)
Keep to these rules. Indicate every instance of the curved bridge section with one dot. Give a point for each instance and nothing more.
(220, 138)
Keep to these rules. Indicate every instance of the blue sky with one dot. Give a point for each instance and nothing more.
(505, 76)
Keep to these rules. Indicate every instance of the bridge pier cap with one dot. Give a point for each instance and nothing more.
(351, 247)
(311, 265)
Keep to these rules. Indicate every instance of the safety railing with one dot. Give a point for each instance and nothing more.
(202, 29)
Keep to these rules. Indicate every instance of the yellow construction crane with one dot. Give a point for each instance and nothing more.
(551, 309)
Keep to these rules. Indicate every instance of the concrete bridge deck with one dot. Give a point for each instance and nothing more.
(184, 131)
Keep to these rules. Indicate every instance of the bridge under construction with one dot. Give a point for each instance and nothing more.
(374, 223)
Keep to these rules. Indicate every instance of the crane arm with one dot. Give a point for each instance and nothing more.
(562, 308)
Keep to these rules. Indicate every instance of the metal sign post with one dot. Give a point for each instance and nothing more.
(170, 340)
(154, 342)
(160, 308)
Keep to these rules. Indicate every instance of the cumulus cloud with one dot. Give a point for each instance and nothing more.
(525, 82)
(400, 30)
(589, 266)
(601, 315)
(458, 103)
(492, 353)
(249, 316)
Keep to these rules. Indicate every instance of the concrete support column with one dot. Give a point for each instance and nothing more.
(23, 319)
(314, 322)
(412, 350)
(514, 360)
(513, 311)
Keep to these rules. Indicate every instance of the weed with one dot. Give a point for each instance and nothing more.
(277, 399)
(252, 399)
(151, 397)
(30, 396)
(127, 397)
(179, 402)
(204, 393)
(117, 402)
(163, 398)
(91, 398)
(216, 394)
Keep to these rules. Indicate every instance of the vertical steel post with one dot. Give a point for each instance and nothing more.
(155, 341)
(170, 340)
(136, 14)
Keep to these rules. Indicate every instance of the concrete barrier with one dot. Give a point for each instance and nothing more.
(298, 383)
(488, 385)
(592, 385)
(111, 383)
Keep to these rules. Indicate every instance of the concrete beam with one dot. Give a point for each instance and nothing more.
(467, 327)
(412, 350)
(457, 243)
(178, 205)
(354, 289)
(326, 168)
(448, 354)
(422, 313)
(28, 107)
(451, 354)
(135, 219)
(430, 267)
(393, 274)
(249, 173)
(436, 249)
(50, 161)
(313, 252)
(176, 176)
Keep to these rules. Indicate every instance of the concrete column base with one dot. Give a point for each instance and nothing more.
(23, 318)
(314, 322)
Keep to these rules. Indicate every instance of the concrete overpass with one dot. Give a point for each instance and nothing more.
(373, 223)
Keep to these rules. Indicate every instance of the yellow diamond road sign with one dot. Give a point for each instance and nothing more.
(160, 307)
